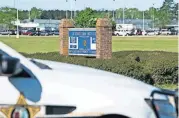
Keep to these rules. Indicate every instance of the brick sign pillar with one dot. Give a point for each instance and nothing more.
(103, 39)
(63, 29)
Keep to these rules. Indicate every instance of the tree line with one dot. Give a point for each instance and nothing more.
(161, 16)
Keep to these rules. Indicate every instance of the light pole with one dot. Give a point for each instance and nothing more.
(29, 14)
(143, 20)
(153, 17)
(17, 20)
(113, 10)
(108, 13)
(67, 10)
(132, 15)
(17, 36)
(71, 9)
(75, 9)
(123, 20)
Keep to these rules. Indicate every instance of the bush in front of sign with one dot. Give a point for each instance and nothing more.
(153, 67)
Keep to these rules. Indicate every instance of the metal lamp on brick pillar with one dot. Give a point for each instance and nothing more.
(103, 38)
(63, 28)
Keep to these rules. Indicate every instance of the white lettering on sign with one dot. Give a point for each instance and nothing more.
(93, 45)
(73, 42)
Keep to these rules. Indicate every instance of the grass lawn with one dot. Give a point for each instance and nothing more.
(167, 86)
(51, 44)
(32, 44)
(169, 44)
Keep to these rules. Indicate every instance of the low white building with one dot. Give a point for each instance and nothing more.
(40, 24)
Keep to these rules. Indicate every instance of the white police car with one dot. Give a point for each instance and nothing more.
(51, 89)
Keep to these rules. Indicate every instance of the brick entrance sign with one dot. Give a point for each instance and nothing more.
(63, 28)
(103, 38)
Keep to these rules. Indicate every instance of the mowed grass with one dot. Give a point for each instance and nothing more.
(169, 44)
(32, 44)
(51, 44)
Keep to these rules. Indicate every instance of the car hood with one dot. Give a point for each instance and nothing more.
(93, 80)
(81, 73)
(91, 89)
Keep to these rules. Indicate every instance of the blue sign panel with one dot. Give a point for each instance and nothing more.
(82, 41)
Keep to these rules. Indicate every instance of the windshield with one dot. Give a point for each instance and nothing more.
(40, 65)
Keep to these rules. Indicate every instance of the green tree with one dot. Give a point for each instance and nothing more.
(7, 15)
(129, 13)
(23, 14)
(165, 13)
(175, 11)
(151, 13)
(35, 13)
(87, 18)
(161, 18)
(133, 13)
(119, 13)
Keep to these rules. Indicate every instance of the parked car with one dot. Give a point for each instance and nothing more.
(42, 88)
(20, 32)
(139, 32)
(51, 32)
(157, 32)
(12, 32)
(4, 32)
(144, 33)
(165, 32)
(122, 32)
(151, 32)
(174, 32)
(29, 33)
(45, 33)
(56, 32)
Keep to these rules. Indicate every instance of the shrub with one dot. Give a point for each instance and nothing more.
(153, 67)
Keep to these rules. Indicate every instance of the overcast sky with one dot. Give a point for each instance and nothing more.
(81, 4)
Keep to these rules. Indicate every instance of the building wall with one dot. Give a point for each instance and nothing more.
(47, 23)
(137, 22)
(148, 24)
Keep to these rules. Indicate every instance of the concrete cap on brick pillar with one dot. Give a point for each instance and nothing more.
(103, 22)
(66, 23)
(63, 29)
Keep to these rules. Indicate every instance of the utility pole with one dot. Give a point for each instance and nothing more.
(14, 3)
(123, 19)
(67, 10)
(113, 11)
(29, 14)
(132, 15)
(108, 13)
(17, 19)
(153, 17)
(71, 9)
(75, 9)
(143, 20)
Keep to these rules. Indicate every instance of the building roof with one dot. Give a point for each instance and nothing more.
(174, 22)
(25, 21)
(133, 21)
(46, 21)
(139, 22)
